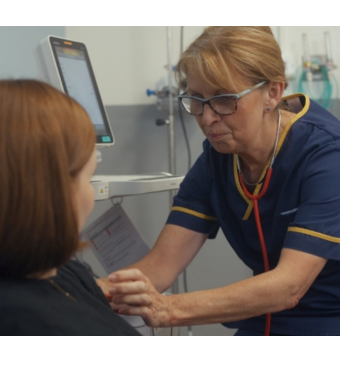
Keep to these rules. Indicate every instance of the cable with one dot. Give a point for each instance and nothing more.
(335, 91)
(180, 112)
(187, 143)
(306, 86)
(185, 134)
(181, 48)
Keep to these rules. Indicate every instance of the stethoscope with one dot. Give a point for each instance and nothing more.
(255, 199)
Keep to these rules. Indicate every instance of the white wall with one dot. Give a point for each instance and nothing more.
(129, 60)
(290, 40)
(17, 44)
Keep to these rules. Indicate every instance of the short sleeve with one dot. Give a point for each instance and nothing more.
(316, 226)
(192, 204)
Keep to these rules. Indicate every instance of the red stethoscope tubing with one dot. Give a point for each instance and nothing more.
(255, 199)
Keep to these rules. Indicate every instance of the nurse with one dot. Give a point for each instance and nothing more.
(285, 149)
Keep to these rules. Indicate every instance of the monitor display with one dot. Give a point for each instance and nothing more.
(68, 68)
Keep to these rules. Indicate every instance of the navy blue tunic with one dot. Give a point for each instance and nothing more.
(300, 211)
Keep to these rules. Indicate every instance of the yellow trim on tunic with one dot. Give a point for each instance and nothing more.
(279, 144)
(194, 213)
(314, 233)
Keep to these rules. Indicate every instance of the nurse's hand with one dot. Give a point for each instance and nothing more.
(105, 285)
(133, 294)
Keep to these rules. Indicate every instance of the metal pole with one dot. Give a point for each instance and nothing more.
(172, 162)
(171, 129)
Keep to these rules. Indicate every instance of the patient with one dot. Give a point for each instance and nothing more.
(47, 158)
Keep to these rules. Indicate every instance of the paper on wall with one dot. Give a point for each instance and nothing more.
(114, 240)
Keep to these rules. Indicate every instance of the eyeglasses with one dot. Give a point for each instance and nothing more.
(224, 104)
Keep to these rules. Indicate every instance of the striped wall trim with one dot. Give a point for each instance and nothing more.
(194, 213)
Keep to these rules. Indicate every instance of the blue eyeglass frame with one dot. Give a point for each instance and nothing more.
(207, 101)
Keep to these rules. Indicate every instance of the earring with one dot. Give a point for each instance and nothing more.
(268, 109)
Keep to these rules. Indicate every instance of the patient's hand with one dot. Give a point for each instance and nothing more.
(104, 284)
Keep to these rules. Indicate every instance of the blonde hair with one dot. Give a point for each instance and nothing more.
(46, 138)
(222, 56)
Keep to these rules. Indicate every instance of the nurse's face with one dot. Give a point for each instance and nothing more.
(83, 191)
(238, 133)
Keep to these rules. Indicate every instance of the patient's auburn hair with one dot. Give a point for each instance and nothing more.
(45, 140)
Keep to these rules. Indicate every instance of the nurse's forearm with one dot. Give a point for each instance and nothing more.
(270, 292)
(279, 289)
(249, 298)
(174, 250)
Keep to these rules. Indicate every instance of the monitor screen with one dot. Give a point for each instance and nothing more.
(76, 77)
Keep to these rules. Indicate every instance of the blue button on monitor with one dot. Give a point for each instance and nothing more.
(106, 139)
